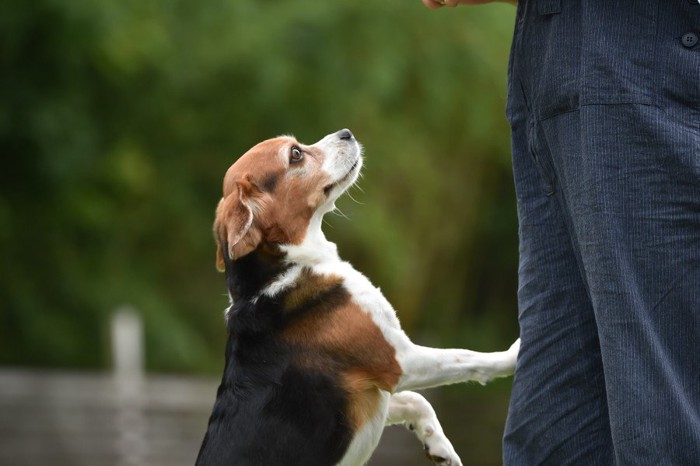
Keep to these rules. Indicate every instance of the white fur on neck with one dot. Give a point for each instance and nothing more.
(315, 249)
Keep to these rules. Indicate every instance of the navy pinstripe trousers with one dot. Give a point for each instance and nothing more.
(604, 106)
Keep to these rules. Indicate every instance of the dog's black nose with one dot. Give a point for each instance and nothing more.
(345, 134)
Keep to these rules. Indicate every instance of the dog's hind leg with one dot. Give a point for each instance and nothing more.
(416, 414)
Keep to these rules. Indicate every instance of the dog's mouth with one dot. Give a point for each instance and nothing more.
(330, 187)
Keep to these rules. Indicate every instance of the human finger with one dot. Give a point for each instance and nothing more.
(432, 4)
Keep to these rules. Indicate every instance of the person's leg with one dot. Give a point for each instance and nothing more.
(558, 411)
(626, 181)
(630, 178)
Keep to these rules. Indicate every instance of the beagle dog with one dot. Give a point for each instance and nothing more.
(316, 360)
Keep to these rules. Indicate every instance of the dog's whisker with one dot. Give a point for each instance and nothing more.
(354, 200)
(340, 213)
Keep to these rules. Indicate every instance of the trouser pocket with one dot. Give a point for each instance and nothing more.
(548, 7)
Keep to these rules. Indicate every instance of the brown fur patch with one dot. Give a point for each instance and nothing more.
(309, 286)
(342, 339)
(364, 397)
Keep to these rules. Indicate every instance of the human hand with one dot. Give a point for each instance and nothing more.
(432, 4)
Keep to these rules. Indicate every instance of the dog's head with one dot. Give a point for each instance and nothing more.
(274, 191)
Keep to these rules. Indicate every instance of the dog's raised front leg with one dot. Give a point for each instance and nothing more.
(416, 414)
(431, 367)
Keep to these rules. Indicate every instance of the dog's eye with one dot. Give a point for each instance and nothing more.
(296, 155)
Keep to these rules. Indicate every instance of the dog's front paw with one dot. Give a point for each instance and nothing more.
(439, 450)
(514, 348)
(513, 353)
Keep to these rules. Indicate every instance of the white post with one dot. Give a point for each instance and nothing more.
(127, 354)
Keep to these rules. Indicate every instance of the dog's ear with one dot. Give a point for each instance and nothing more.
(234, 230)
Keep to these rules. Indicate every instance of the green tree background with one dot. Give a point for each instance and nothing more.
(118, 120)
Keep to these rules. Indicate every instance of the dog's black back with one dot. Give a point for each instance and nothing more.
(269, 409)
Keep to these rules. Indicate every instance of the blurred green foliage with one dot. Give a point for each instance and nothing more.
(118, 120)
